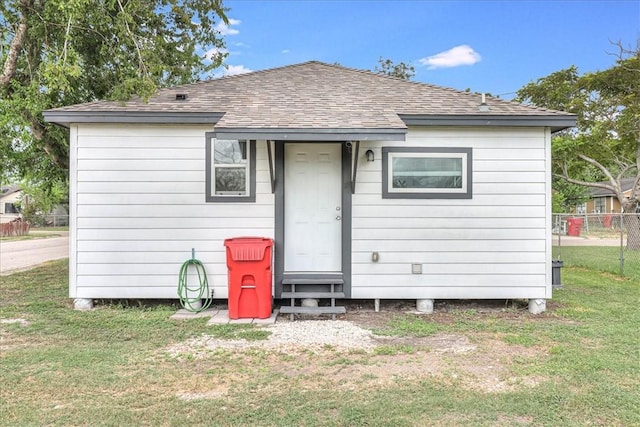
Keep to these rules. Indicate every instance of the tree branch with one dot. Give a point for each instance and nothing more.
(11, 63)
(141, 64)
(624, 168)
(564, 175)
(66, 41)
(39, 132)
(628, 203)
(612, 180)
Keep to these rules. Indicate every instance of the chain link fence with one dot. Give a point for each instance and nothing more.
(56, 220)
(605, 242)
(51, 220)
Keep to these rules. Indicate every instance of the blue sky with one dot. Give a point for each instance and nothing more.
(487, 46)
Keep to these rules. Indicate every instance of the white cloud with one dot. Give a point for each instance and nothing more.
(225, 29)
(454, 57)
(232, 70)
(211, 54)
(285, 51)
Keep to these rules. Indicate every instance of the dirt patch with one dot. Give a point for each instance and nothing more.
(9, 341)
(21, 322)
(362, 313)
(488, 368)
(441, 343)
(482, 365)
(346, 354)
(204, 395)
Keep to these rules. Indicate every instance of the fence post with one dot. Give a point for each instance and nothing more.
(559, 228)
(586, 222)
(622, 225)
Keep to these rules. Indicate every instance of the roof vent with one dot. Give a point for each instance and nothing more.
(483, 105)
(181, 96)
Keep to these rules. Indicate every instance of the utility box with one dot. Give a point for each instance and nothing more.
(249, 270)
(556, 278)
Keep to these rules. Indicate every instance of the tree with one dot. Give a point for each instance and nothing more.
(400, 70)
(605, 146)
(39, 201)
(568, 195)
(62, 52)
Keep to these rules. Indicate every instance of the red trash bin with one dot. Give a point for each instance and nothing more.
(575, 226)
(249, 268)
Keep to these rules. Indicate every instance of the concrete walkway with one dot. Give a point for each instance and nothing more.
(221, 317)
(22, 255)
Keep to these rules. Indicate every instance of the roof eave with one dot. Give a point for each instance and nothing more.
(555, 122)
(65, 118)
(313, 134)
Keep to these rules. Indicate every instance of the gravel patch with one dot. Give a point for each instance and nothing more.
(21, 322)
(289, 337)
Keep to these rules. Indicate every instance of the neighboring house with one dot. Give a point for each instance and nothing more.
(383, 188)
(9, 209)
(604, 201)
(9, 197)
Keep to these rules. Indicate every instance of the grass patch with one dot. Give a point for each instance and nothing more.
(394, 349)
(107, 366)
(36, 229)
(601, 258)
(238, 332)
(409, 326)
(28, 237)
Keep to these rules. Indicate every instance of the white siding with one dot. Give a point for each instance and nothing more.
(494, 245)
(140, 208)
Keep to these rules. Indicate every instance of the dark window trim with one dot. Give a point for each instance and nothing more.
(251, 197)
(386, 194)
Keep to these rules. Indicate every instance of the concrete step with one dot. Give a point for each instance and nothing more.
(312, 310)
(319, 295)
(303, 281)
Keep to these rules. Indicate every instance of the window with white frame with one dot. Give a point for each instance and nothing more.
(426, 173)
(599, 205)
(230, 170)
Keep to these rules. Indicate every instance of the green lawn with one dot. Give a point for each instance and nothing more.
(576, 365)
(60, 228)
(601, 258)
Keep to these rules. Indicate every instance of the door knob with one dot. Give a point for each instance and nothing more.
(337, 208)
(338, 218)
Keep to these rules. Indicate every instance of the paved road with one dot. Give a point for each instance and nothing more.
(585, 241)
(24, 254)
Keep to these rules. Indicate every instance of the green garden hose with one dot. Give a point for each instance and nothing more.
(194, 298)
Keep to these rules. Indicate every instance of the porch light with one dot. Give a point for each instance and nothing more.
(370, 156)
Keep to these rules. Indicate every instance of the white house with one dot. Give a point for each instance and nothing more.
(372, 187)
(9, 196)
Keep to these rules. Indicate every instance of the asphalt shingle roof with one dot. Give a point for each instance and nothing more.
(625, 183)
(314, 95)
(10, 189)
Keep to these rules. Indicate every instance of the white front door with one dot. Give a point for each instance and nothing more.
(313, 208)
